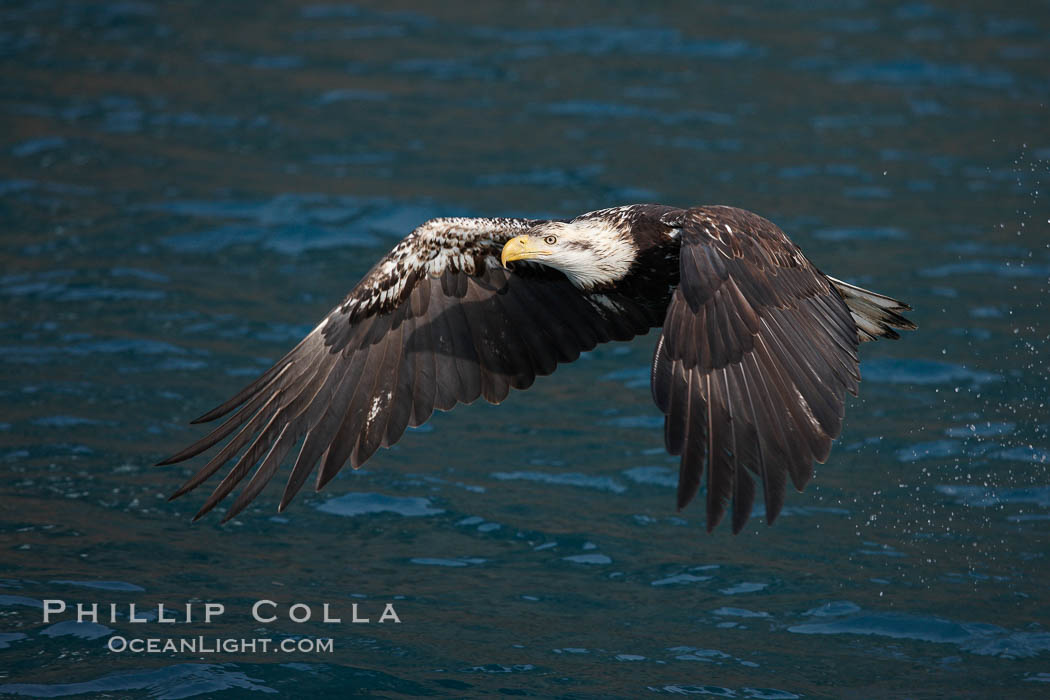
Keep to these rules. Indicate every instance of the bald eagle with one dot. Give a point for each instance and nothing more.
(750, 371)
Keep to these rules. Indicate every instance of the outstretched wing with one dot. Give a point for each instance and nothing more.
(436, 322)
(752, 367)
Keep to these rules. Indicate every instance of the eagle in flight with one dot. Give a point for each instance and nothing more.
(757, 350)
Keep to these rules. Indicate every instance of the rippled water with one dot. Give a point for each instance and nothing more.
(185, 189)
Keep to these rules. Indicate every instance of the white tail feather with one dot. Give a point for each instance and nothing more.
(876, 315)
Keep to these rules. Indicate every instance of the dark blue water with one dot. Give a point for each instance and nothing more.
(186, 188)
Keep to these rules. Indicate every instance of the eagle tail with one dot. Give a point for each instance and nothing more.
(876, 315)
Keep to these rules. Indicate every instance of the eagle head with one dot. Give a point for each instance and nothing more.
(590, 252)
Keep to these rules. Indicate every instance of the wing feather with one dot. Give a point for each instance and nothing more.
(448, 383)
(344, 441)
(257, 386)
(224, 430)
(380, 400)
(721, 453)
(767, 350)
(538, 346)
(321, 433)
(278, 451)
(521, 360)
(435, 323)
(404, 387)
(677, 426)
(694, 449)
(809, 441)
(424, 385)
(235, 475)
(489, 356)
(224, 455)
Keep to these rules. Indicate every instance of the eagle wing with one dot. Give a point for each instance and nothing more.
(438, 321)
(752, 366)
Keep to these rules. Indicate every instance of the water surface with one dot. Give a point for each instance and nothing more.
(187, 188)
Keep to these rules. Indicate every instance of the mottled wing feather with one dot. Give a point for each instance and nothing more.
(752, 366)
(435, 323)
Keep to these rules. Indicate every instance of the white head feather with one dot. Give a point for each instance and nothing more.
(590, 252)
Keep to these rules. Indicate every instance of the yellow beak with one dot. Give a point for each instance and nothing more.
(522, 248)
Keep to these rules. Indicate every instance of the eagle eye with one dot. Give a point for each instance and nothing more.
(550, 240)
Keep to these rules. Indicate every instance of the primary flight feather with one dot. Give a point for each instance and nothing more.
(757, 351)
